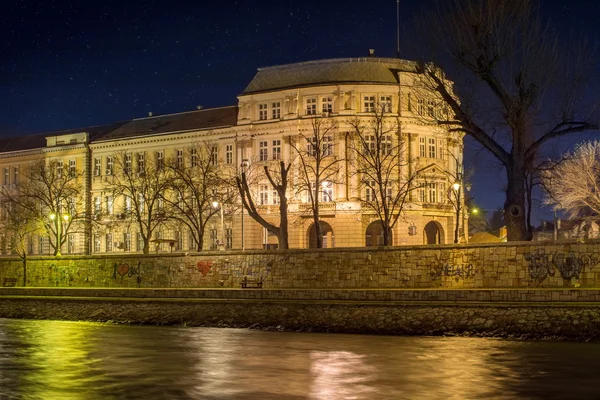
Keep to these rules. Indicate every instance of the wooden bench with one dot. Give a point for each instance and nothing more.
(252, 283)
(9, 282)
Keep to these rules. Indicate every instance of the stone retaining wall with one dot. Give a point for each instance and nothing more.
(575, 322)
(525, 264)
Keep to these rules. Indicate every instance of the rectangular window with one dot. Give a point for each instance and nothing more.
(139, 242)
(109, 205)
(159, 245)
(127, 241)
(229, 154)
(194, 157)
(386, 103)
(386, 145)
(327, 105)
(96, 243)
(97, 206)
(179, 158)
(276, 149)
(70, 243)
(41, 245)
(127, 204)
(160, 160)
(141, 162)
(432, 147)
(430, 108)
(141, 203)
(263, 154)
(275, 197)
(276, 110)
(109, 165)
(16, 175)
(370, 191)
(370, 144)
(109, 242)
(178, 241)
(422, 152)
(327, 146)
(263, 195)
(327, 192)
(311, 106)
(214, 155)
(6, 176)
(191, 241)
(214, 241)
(432, 192)
(97, 166)
(59, 170)
(72, 168)
(369, 103)
(262, 111)
(228, 238)
(420, 107)
(127, 163)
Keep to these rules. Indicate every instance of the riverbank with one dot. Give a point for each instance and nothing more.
(516, 313)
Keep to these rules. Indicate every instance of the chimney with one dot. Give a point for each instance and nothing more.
(149, 113)
(371, 52)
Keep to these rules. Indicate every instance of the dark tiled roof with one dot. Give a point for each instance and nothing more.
(326, 72)
(199, 119)
(38, 141)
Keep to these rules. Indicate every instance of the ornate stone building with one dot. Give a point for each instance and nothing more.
(277, 114)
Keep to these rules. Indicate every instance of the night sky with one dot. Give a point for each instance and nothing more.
(73, 64)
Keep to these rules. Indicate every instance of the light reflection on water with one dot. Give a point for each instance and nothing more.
(75, 360)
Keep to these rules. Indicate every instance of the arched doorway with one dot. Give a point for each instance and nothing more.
(433, 233)
(328, 238)
(374, 234)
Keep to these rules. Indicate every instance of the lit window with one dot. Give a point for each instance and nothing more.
(228, 238)
(97, 205)
(422, 152)
(311, 106)
(141, 162)
(275, 197)
(127, 164)
(127, 241)
(263, 154)
(276, 149)
(109, 205)
(327, 191)
(214, 155)
(96, 243)
(7, 175)
(229, 154)
(327, 146)
(432, 191)
(109, 165)
(109, 242)
(386, 103)
(139, 242)
(432, 148)
(263, 195)
(262, 111)
(72, 168)
(16, 175)
(97, 166)
(276, 110)
(127, 204)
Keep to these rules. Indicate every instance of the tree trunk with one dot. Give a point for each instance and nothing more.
(25, 270)
(387, 233)
(146, 249)
(318, 230)
(514, 207)
(282, 237)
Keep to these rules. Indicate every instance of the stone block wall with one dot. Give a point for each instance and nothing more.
(506, 265)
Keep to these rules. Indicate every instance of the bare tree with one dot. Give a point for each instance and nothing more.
(573, 185)
(144, 188)
(318, 166)
(278, 179)
(518, 86)
(382, 167)
(199, 179)
(50, 194)
(20, 226)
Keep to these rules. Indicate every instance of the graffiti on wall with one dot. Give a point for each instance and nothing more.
(123, 270)
(204, 266)
(444, 267)
(543, 265)
(61, 275)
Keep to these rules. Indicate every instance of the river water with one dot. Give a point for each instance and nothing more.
(79, 360)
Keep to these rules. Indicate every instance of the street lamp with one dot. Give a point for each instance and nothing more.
(216, 205)
(457, 186)
(243, 165)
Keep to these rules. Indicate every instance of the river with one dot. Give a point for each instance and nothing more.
(80, 360)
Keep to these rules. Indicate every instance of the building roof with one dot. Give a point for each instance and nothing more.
(186, 121)
(38, 141)
(327, 72)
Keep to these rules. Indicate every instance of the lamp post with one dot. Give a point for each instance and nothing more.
(244, 165)
(216, 205)
(457, 190)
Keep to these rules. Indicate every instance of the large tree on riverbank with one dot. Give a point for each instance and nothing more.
(519, 85)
